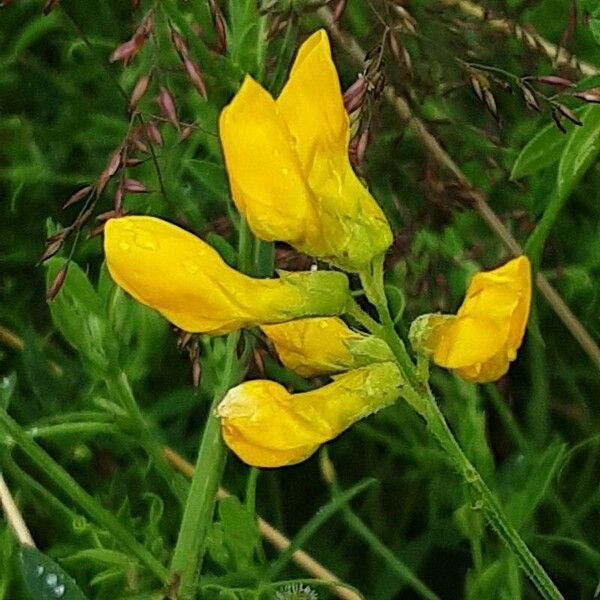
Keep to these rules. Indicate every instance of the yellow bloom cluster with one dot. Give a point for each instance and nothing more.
(291, 179)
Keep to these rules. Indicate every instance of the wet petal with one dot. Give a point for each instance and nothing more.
(312, 347)
(267, 184)
(312, 105)
(267, 426)
(172, 271)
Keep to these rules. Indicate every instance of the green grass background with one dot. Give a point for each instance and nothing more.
(414, 532)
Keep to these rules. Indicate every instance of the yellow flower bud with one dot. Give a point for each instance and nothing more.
(288, 166)
(186, 280)
(266, 426)
(481, 340)
(324, 345)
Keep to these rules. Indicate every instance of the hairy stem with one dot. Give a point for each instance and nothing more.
(200, 504)
(427, 407)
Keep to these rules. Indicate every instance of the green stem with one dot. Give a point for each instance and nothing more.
(426, 405)
(79, 496)
(354, 311)
(120, 391)
(373, 284)
(198, 513)
(73, 429)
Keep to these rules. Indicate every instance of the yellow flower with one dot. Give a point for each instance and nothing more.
(185, 279)
(483, 338)
(288, 165)
(266, 426)
(324, 345)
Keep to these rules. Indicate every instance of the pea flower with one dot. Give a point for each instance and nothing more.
(288, 165)
(186, 280)
(266, 426)
(324, 345)
(482, 339)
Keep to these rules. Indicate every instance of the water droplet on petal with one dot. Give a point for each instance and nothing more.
(59, 590)
(190, 266)
(39, 571)
(285, 171)
(145, 240)
(124, 246)
(323, 324)
(51, 579)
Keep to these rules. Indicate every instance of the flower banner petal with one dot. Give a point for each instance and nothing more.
(266, 180)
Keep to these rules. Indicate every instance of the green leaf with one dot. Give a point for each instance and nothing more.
(8, 385)
(542, 150)
(78, 314)
(595, 29)
(535, 485)
(240, 534)
(210, 175)
(234, 538)
(579, 154)
(45, 580)
(8, 565)
(245, 45)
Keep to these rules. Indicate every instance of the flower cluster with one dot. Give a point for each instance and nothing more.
(291, 179)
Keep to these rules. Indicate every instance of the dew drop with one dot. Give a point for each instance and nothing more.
(471, 475)
(285, 171)
(39, 570)
(124, 246)
(59, 590)
(146, 241)
(190, 266)
(51, 579)
(323, 325)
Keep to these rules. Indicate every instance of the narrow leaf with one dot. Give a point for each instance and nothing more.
(46, 580)
(543, 150)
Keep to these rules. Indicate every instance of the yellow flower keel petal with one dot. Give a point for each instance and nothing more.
(324, 345)
(266, 426)
(186, 280)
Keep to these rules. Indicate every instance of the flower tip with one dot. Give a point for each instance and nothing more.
(318, 39)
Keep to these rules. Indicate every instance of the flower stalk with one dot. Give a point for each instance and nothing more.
(426, 405)
(198, 513)
(419, 396)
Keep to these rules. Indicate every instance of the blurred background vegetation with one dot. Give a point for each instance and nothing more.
(470, 76)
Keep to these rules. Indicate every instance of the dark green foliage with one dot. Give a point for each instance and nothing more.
(99, 384)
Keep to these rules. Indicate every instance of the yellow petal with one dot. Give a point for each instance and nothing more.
(172, 271)
(312, 347)
(486, 372)
(483, 338)
(311, 102)
(266, 426)
(467, 341)
(313, 108)
(266, 180)
(185, 279)
(259, 456)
